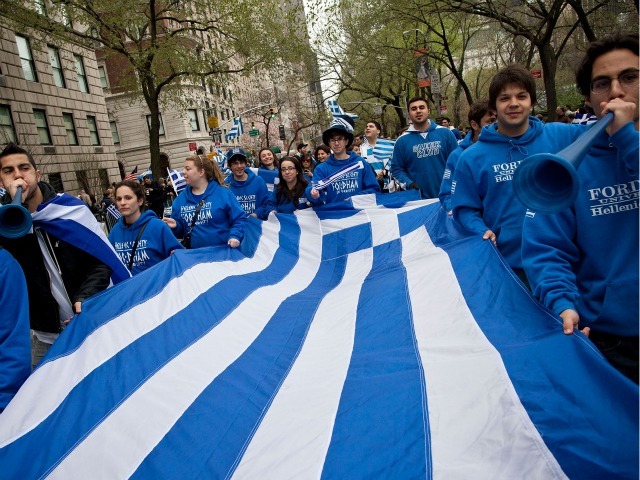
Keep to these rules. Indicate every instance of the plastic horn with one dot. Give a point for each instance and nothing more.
(15, 220)
(548, 183)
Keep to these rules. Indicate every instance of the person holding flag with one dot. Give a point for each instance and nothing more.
(206, 213)
(140, 238)
(344, 173)
(66, 258)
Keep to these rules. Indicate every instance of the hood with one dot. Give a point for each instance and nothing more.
(467, 141)
(490, 133)
(432, 126)
(353, 157)
(145, 217)
(190, 198)
(242, 183)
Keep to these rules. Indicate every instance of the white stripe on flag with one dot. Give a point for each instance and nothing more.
(301, 417)
(117, 334)
(156, 406)
(472, 405)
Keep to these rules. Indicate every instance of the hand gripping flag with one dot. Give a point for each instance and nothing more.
(380, 342)
(177, 180)
(337, 175)
(69, 219)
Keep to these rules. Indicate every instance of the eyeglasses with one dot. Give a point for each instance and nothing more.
(287, 169)
(627, 79)
(337, 139)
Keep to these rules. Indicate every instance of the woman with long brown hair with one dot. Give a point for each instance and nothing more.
(288, 196)
(206, 212)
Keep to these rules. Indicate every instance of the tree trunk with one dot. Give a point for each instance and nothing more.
(549, 64)
(154, 137)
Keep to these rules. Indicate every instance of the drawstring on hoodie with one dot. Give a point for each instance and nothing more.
(522, 150)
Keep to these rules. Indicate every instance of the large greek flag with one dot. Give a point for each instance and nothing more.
(358, 343)
(236, 130)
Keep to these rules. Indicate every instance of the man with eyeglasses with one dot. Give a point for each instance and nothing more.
(583, 262)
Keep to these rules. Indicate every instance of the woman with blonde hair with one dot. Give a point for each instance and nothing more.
(206, 213)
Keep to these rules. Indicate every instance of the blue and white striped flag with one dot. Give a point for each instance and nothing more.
(383, 150)
(68, 218)
(337, 175)
(113, 211)
(336, 110)
(291, 357)
(270, 177)
(177, 180)
(236, 130)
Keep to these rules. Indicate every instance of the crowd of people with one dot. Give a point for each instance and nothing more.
(581, 263)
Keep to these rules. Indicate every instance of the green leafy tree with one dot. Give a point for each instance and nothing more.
(166, 48)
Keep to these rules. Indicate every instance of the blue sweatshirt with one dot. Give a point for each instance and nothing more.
(156, 242)
(585, 258)
(15, 344)
(220, 219)
(252, 193)
(420, 157)
(287, 206)
(483, 198)
(450, 167)
(360, 181)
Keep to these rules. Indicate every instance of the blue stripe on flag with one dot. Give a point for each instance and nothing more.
(228, 412)
(384, 384)
(543, 363)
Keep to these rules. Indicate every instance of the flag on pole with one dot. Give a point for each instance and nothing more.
(133, 176)
(113, 211)
(337, 175)
(382, 342)
(236, 130)
(336, 110)
(177, 180)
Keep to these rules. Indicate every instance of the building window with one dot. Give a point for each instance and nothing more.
(26, 58)
(82, 76)
(114, 133)
(43, 127)
(66, 18)
(56, 66)
(7, 130)
(104, 178)
(93, 130)
(193, 120)
(161, 131)
(103, 77)
(55, 180)
(70, 128)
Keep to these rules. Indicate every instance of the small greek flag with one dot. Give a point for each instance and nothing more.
(584, 119)
(383, 150)
(325, 182)
(113, 211)
(336, 110)
(236, 130)
(177, 180)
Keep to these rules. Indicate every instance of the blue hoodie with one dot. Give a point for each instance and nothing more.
(252, 193)
(220, 219)
(420, 157)
(360, 181)
(287, 206)
(156, 243)
(585, 258)
(15, 348)
(449, 168)
(483, 197)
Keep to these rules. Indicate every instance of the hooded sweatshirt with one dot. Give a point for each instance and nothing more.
(483, 197)
(450, 167)
(156, 242)
(360, 181)
(420, 157)
(585, 258)
(220, 218)
(252, 193)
